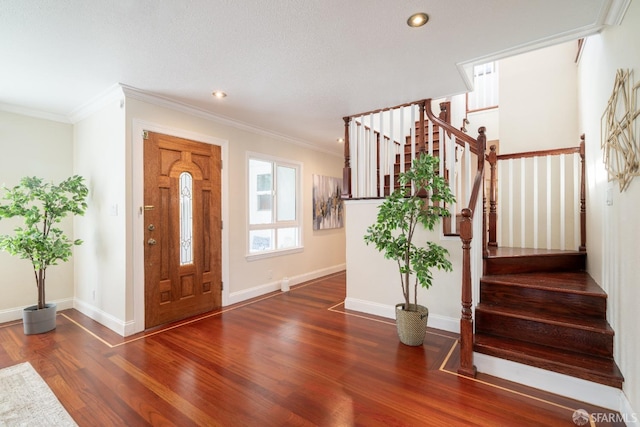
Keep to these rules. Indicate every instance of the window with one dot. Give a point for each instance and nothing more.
(485, 87)
(186, 218)
(274, 205)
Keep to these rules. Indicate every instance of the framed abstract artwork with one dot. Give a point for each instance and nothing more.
(328, 207)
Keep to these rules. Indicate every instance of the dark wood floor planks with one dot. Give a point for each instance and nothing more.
(294, 359)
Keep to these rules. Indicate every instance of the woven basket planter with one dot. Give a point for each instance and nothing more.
(411, 324)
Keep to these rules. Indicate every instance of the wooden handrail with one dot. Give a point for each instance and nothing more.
(461, 137)
(541, 153)
(380, 110)
(368, 129)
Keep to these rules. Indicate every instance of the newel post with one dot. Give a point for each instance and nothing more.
(466, 321)
(493, 215)
(346, 170)
(583, 205)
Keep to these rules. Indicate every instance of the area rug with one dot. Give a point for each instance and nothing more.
(27, 400)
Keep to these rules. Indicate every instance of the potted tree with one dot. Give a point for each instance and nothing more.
(393, 233)
(41, 205)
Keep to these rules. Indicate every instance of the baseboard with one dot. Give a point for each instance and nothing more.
(12, 314)
(257, 291)
(436, 321)
(106, 319)
(564, 385)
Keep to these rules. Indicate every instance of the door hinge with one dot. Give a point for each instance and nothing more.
(221, 164)
(221, 286)
(221, 225)
(145, 134)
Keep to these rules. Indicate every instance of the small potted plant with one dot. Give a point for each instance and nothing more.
(393, 233)
(41, 205)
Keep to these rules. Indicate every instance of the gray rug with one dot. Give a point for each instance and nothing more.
(27, 400)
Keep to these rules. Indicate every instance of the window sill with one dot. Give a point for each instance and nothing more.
(271, 254)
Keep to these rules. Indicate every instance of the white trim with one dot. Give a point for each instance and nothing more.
(274, 253)
(11, 314)
(117, 325)
(137, 224)
(611, 13)
(298, 222)
(90, 107)
(161, 101)
(389, 311)
(615, 12)
(257, 291)
(34, 113)
(564, 385)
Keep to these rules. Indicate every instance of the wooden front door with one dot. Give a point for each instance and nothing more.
(182, 214)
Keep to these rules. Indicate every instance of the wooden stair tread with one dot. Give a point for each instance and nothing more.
(571, 282)
(585, 366)
(586, 323)
(508, 252)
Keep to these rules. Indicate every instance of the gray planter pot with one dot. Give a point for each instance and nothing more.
(39, 321)
(411, 324)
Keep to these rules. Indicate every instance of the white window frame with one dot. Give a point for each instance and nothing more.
(298, 222)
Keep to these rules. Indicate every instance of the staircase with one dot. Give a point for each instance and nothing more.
(405, 156)
(541, 308)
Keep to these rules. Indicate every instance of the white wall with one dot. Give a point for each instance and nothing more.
(100, 156)
(374, 282)
(538, 100)
(32, 147)
(613, 232)
(100, 146)
(323, 249)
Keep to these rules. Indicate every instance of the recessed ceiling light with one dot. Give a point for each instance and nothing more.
(418, 20)
(340, 140)
(219, 94)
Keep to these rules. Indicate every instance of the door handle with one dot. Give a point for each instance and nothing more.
(151, 242)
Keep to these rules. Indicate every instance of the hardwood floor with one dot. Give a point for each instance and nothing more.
(292, 359)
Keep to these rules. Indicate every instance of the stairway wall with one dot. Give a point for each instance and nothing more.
(538, 102)
(613, 230)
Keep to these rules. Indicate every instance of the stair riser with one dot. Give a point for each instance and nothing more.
(533, 264)
(585, 374)
(544, 300)
(559, 336)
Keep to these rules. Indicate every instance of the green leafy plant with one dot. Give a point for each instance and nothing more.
(398, 218)
(42, 205)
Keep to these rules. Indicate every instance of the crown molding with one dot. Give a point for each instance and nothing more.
(161, 101)
(23, 111)
(614, 12)
(611, 13)
(113, 93)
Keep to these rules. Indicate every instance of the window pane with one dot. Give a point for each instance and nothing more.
(261, 240)
(287, 238)
(260, 192)
(186, 218)
(286, 194)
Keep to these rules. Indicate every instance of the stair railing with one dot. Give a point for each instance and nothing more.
(367, 173)
(367, 161)
(527, 219)
(466, 235)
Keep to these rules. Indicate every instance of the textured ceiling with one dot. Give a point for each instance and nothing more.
(291, 67)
